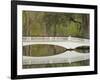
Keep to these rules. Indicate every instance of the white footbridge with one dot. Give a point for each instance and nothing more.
(66, 57)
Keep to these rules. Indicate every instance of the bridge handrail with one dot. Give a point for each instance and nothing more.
(29, 39)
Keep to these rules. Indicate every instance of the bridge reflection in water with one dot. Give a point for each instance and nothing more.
(65, 57)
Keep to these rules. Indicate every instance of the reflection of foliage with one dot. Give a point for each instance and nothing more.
(48, 50)
(55, 24)
(79, 63)
(42, 50)
(83, 49)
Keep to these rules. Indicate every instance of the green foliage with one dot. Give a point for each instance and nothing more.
(55, 24)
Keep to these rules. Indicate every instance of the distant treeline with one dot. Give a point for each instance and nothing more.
(51, 24)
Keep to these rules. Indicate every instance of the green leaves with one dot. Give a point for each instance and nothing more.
(46, 24)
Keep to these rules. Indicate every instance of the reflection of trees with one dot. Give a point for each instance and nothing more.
(42, 50)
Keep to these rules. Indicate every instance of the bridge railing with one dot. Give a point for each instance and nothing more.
(33, 39)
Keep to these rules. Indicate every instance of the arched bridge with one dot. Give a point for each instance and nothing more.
(66, 57)
(67, 42)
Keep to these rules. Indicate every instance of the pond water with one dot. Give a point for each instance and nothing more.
(40, 50)
(83, 49)
(79, 63)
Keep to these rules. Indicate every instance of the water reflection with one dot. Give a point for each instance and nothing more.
(83, 49)
(48, 50)
(42, 50)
